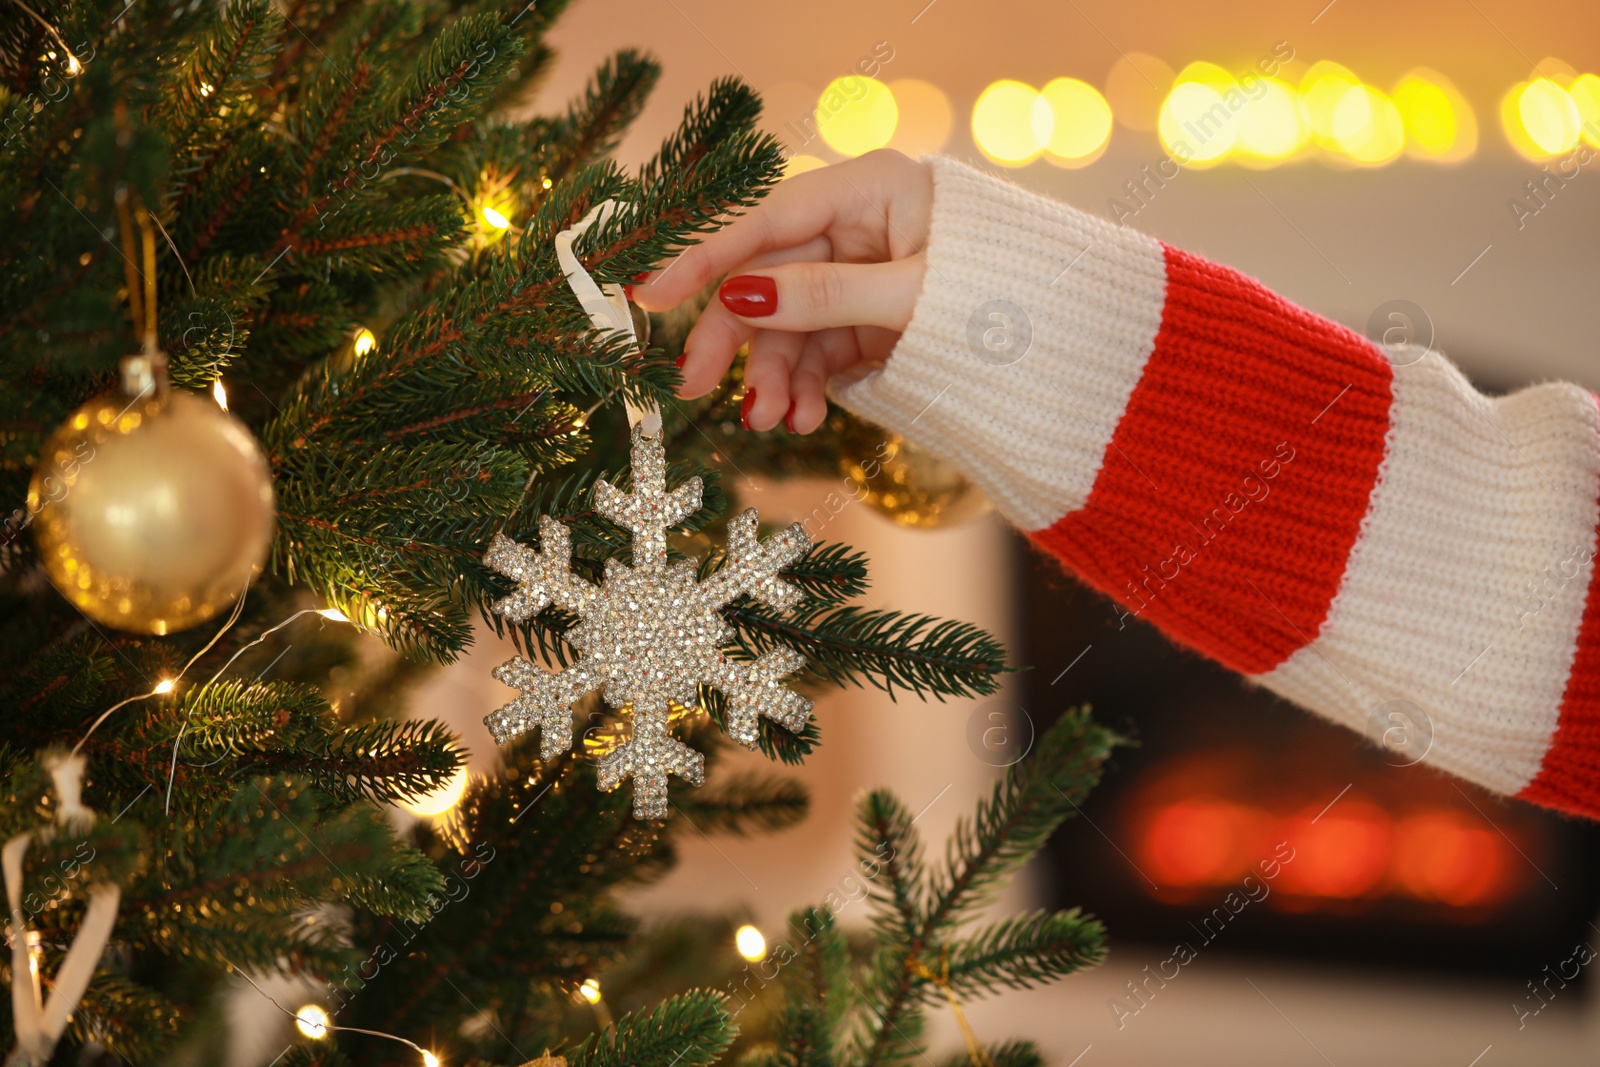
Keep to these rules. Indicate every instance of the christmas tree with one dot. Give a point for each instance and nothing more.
(333, 217)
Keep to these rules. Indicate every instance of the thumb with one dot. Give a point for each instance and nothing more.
(816, 296)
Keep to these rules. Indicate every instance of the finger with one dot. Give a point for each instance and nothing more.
(808, 398)
(817, 250)
(795, 211)
(826, 353)
(773, 355)
(709, 349)
(816, 296)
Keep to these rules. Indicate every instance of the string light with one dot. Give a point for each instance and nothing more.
(494, 218)
(333, 615)
(365, 341)
(1367, 126)
(1548, 115)
(311, 1012)
(219, 394)
(1072, 121)
(590, 990)
(1003, 123)
(1440, 125)
(441, 800)
(856, 115)
(750, 943)
(164, 686)
(312, 1021)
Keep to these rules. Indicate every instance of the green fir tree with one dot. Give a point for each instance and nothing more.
(317, 169)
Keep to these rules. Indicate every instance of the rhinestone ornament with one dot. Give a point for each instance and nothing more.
(650, 634)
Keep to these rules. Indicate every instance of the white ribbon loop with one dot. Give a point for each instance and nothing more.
(607, 307)
(39, 1025)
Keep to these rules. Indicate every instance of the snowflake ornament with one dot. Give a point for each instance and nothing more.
(650, 634)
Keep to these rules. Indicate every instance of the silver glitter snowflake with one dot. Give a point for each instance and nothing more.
(650, 634)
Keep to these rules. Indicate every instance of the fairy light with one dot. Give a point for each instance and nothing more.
(750, 943)
(312, 1021)
(35, 941)
(165, 686)
(441, 800)
(316, 1019)
(333, 615)
(73, 66)
(219, 394)
(206, 89)
(590, 990)
(365, 341)
(494, 218)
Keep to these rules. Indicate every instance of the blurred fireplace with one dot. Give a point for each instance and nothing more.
(1243, 824)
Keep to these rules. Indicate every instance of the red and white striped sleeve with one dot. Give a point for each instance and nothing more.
(1264, 485)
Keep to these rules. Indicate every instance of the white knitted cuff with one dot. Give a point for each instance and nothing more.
(1034, 323)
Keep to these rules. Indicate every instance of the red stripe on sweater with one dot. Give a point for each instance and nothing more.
(1237, 479)
(1569, 777)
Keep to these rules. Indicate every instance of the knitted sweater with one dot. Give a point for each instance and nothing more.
(1264, 485)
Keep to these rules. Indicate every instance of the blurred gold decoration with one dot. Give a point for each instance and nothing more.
(909, 484)
(153, 506)
(547, 1060)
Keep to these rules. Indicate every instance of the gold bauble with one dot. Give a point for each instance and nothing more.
(151, 514)
(909, 484)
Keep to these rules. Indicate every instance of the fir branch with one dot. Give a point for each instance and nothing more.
(888, 649)
(773, 741)
(594, 123)
(219, 75)
(1024, 951)
(745, 804)
(1005, 1054)
(1035, 796)
(692, 1030)
(886, 835)
(132, 1021)
(830, 573)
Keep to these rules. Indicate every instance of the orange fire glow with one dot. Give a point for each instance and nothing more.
(1356, 850)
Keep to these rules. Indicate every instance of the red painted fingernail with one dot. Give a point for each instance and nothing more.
(641, 276)
(679, 361)
(788, 420)
(750, 295)
(744, 408)
(627, 291)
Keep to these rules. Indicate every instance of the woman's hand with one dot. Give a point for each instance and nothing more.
(824, 274)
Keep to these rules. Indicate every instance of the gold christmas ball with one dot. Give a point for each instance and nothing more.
(151, 514)
(910, 485)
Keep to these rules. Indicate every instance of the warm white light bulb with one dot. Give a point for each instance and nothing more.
(429, 1060)
(751, 945)
(590, 991)
(219, 394)
(334, 615)
(165, 686)
(365, 341)
(495, 218)
(441, 800)
(312, 1021)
